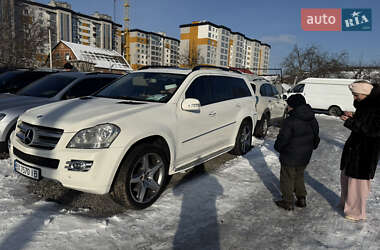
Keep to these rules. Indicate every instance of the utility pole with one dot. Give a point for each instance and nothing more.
(126, 30)
(51, 62)
(114, 10)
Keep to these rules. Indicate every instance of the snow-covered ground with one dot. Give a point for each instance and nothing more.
(229, 208)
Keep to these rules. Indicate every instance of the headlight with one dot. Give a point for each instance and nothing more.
(100, 136)
(2, 115)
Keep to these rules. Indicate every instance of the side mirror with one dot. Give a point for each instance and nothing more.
(284, 97)
(191, 104)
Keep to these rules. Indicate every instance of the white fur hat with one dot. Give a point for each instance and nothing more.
(361, 87)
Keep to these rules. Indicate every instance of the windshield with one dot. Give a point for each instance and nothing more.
(144, 86)
(8, 77)
(48, 86)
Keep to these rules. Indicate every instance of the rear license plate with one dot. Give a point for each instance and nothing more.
(27, 171)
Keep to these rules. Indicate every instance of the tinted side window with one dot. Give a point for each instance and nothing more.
(221, 88)
(86, 87)
(274, 90)
(240, 88)
(265, 90)
(200, 89)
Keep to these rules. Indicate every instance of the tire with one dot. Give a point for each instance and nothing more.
(335, 111)
(8, 138)
(243, 141)
(261, 128)
(142, 177)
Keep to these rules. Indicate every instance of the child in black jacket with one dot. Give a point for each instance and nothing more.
(297, 139)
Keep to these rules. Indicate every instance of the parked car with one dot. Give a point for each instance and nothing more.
(133, 135)
(270, 105)
(325, 94)
(51, 88)
(12, 81)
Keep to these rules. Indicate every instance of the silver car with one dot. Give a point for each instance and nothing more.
(52, 88)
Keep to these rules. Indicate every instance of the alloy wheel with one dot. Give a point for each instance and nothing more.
(246, 139)
(147, 178)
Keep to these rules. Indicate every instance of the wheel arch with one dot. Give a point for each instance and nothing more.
(246, 118)
(266, 113)
(333, 106)
(152, 139)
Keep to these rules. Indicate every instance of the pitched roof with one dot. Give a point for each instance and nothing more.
(102, 58)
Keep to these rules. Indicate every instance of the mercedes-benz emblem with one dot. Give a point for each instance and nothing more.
(28, 136)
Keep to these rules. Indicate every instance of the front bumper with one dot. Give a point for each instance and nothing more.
(98, 179)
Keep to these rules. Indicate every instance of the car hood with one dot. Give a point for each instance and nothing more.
(19, 102)
(6, 95)
(76, 114)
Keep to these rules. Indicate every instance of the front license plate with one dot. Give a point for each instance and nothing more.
(27, 171)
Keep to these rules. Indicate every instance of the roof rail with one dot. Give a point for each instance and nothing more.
(159, 67)
(103, 73)
(214, 67)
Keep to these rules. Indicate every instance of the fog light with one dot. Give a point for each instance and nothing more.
(78, 165)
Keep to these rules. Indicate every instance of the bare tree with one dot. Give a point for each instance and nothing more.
(192, 58)
(22, 36)
(312, 62)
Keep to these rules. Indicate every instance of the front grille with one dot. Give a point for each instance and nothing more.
(38, 136)
(37, 160)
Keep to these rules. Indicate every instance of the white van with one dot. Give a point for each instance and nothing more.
(326, 93)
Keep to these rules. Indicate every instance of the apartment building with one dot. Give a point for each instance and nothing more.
(149, 48)
(203, 42)
(65, 24)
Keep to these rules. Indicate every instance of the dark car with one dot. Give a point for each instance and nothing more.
(12, 81)
(51, 88)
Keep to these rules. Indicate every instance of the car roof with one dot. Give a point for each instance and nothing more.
(74, 74)
(173, 70)
(327, 80)
(166, 70)
(84, 74)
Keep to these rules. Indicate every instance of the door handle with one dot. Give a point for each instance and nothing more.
(238, 105)
(212, 113)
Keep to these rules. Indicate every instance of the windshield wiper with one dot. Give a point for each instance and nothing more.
(127, 98)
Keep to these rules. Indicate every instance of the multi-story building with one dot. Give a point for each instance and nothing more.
(264, 58)
(65, 24)
(207, 43)
(149, 48)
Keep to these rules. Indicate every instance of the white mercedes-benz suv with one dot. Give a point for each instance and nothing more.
(132, 135)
